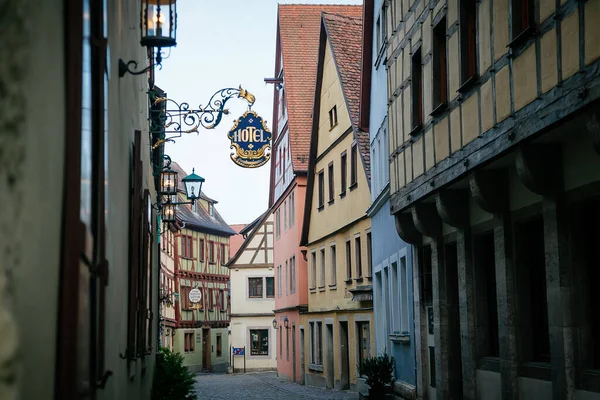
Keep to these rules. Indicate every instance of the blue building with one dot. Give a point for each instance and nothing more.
(391, 257)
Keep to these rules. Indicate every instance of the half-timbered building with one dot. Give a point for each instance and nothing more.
(198, 245)
(495, 178)
(253, 297)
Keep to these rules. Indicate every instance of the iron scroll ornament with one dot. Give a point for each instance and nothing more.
(250, 141)
(173, 118)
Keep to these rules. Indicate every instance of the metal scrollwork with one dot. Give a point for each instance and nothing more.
(171, 119)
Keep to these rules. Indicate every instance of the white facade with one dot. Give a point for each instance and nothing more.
(253, 298)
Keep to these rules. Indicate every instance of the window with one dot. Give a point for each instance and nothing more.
(285, 220)
(270, 283)
(185, 297)
(211, 252)
(343, 174)
(395, 298)
(321, 190)
(416, 88)
(287, 277)
(279, 279)
(369, 255)
(404, 304)
(313, 270)
(259, 339)
(332, 260)
(330, 177)
(186, 243)
(219, 345)
(319, 344)
(222, 299)
(379, 34)
(333, 117)
(277, 224)
(292, 210)
(311, 342)
(280, 341)
(485, 264)
(348, 261)
(211, 209)
(432, 378)
(293, 275)
(468, 45)
(358, 251)
(255, 287)
(440, 83)
(211, 299)
(322, 281)
(353, 166)
(201, 250)
(195, 207)
(522, 17)
(223, 256)
(425, 272)
(283, 161)
(189, 342)
(287, 344)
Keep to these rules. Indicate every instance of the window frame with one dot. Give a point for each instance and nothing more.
(321, 189)
(272, 278)
(440, 65)
(333, 117)
(354, 166)
(343, 172)
(416, 90)
(260, 352)
(331, 183)
(348, 260)
(468, 44)
(259, 283)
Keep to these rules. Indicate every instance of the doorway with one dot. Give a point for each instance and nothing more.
(454, 349)
(329, 354)
(364, 341)
(344, 349)
(301, 356)
(206, 349)
(294, 352)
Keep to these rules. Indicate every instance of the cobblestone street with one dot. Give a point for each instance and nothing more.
(260, 385)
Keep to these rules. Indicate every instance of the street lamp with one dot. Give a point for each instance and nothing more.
(168, 182)
(193, 188)
(158, 25)
(274, 324)
(193, 185)
(286, 323)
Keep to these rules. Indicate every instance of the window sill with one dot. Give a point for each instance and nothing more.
(440, 108)
(320, 208)
(536, 370)
(369, 278)
(522, 37)
(312, 290)
(416, 130)
(353, 186)
(343, 194)
(333, 287)
(359, 279)
(348, 281)
(315, 367)
(321, 288)
(489, 364)
(468, 84)
(330, 202)
(187, 258)
(402, 338)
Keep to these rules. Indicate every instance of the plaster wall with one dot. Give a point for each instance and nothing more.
(241, 303)
(193, 359)
(240, 337)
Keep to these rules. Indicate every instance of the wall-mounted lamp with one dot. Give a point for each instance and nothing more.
(193, 188)
(286, 323)
(158, 23)
(274, 324)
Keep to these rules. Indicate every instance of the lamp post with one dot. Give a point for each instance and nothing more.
(158, 26)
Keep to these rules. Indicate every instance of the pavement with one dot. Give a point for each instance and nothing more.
(261, 385)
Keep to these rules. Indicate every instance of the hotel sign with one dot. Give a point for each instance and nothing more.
(250, 141)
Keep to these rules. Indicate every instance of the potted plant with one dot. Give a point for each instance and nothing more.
(379, 373)
(172, 380)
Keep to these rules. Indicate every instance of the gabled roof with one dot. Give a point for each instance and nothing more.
(345, 36)
(253, 228)
(201, 220)
(298, 35)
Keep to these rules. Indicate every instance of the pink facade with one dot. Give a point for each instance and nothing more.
(291, 294)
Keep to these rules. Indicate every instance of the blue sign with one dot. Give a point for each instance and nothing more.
(238, 351)
(250, 141)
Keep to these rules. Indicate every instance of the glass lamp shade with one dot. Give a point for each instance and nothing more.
(193, 185)
(168, 182)
(286, 323)
(274, 324)
(158, 23)
(168, 212)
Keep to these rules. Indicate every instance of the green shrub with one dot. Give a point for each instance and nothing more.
(379, 373)
(172, 380)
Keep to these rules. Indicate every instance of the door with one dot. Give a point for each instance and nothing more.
(294, 353)
(344, 350)
(329, 354)
(364, 341)
(206, 349)
(301, 356)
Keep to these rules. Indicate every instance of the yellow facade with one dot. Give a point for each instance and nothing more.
(337, 330)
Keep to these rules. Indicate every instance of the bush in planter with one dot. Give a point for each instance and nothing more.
(172, 380)
(379, 373)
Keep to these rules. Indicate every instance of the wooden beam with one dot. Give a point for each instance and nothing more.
(453, 206)
(540, 168)
(426, 219)
(489, 189)
(406, 228)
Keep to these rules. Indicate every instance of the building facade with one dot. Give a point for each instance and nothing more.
(392, 257)
(77, 300)
(253, 297)
(336, 229)
(295, 73)
(494, 178)
(199, 246)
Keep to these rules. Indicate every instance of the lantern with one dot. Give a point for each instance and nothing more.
(274, 324)
(168, 182)
(286, 323)
(168, 212)
(193, 185)
(158, 23)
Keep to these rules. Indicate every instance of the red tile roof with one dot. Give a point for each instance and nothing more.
(299, 27)
(345, 36)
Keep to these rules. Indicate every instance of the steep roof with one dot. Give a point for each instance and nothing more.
(200, 220)
(299, 26)
(252, 229)
(345, 36)
(236, 241)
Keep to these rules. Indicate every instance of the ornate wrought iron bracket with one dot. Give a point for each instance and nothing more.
(174, 119)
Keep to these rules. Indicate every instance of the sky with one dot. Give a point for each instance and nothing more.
(224, 44)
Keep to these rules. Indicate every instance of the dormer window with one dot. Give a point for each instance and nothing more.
(211, 209)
